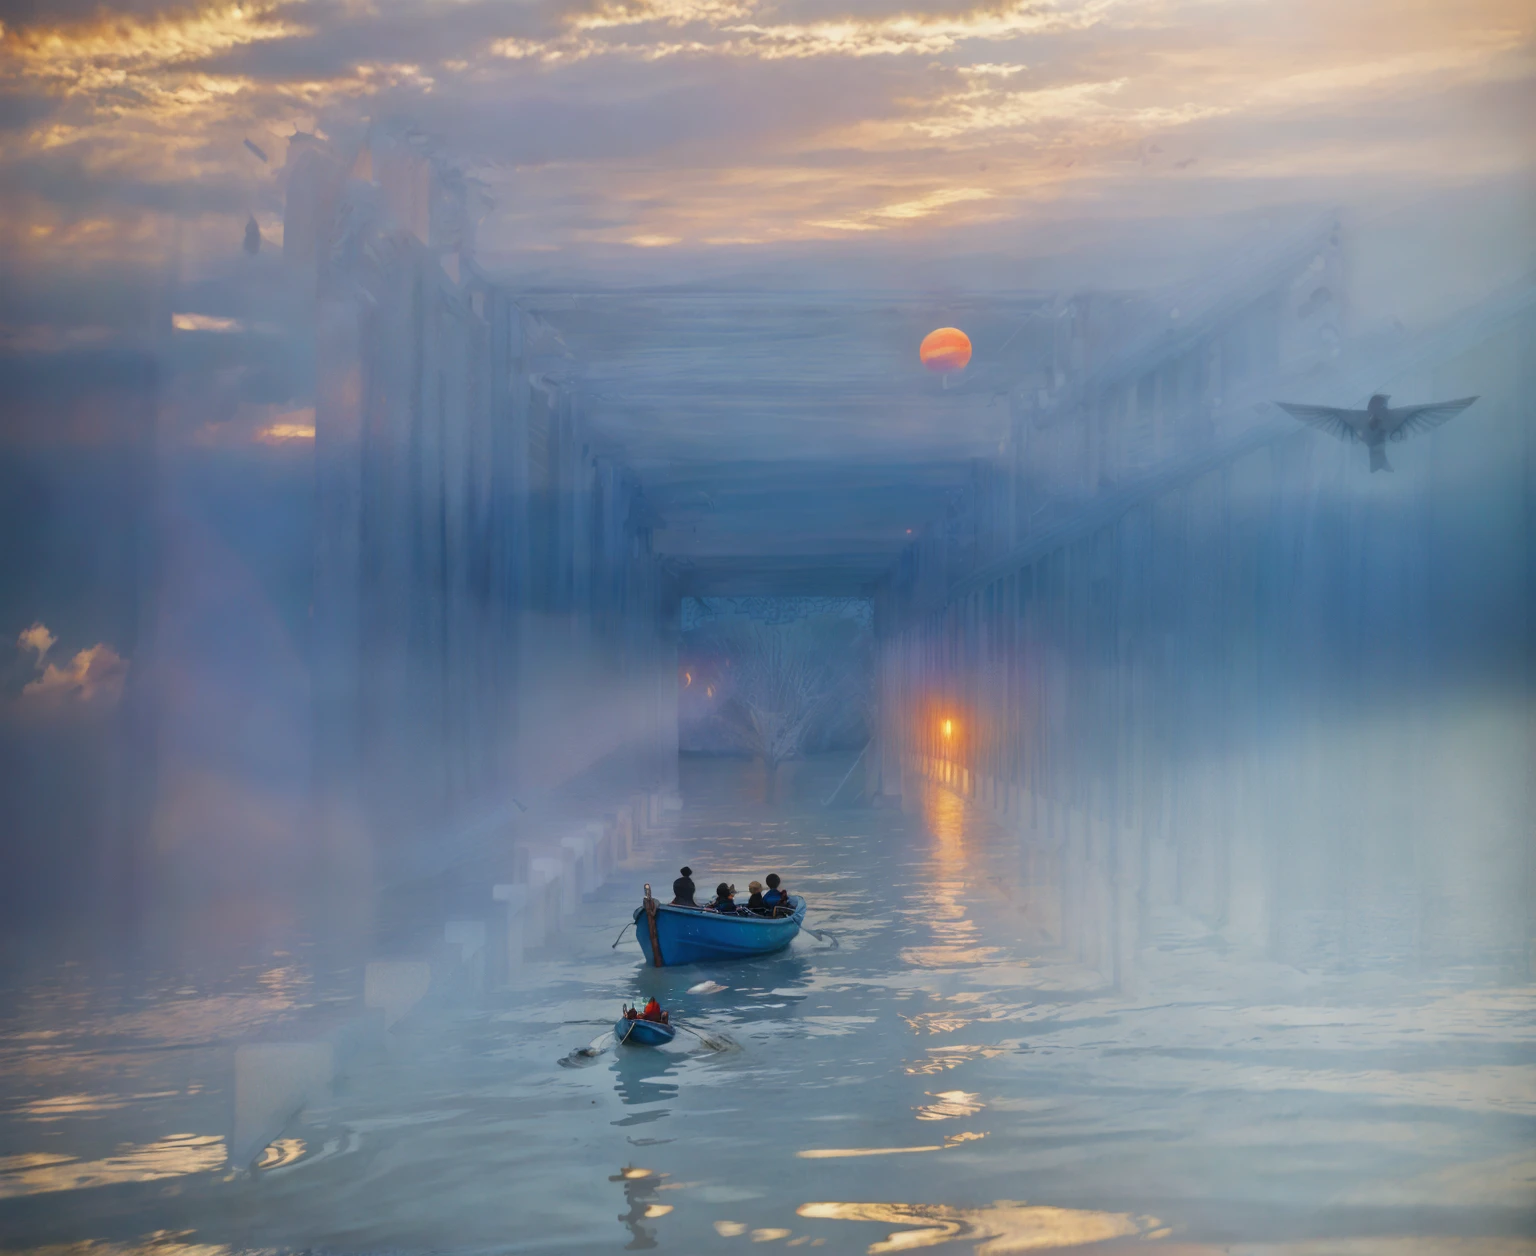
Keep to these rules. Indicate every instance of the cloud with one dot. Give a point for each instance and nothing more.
(287, 433)
(624, 123)
(205, 322)
(93, 676)
(906, 211)
(37, 639)
(278, 426)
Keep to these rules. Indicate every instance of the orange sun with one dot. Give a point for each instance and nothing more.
(944, 350)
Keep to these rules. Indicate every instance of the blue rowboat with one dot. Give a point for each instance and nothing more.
(690, 935)
(642, 1033)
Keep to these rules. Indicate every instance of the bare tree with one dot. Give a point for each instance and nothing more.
(783, 678)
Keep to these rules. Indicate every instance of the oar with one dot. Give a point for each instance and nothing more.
(714, 1044)
(620, 938)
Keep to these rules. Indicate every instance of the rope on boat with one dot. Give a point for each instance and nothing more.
(620, 938)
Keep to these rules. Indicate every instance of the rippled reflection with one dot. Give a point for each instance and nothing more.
(281, 1153)
(644, 1078)
(1003, 1228)
(1353, 1106)
(841, 1153)
(158, 1243)
(948, 1103)
(940, 1059)
(173, 1156)
(944, 814)
(640, 1187)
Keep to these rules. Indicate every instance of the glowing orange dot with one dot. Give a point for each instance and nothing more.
(949, 728)
(944, 350)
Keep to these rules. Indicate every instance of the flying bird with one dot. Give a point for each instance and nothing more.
(1377, 423)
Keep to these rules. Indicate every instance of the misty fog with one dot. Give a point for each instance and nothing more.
(473, 476)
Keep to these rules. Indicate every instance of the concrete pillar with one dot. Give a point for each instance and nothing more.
(582, 850)
(273, 1081)
(558, 877)
(624, 832)
(395, 986)
(520, 924)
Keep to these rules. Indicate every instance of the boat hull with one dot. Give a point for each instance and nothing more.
(691, 935)
(642, 1033)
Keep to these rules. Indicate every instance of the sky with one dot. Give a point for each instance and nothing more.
(632, 134)
(844, 144)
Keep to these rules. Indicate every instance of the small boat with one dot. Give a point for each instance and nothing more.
(642, 1033)
(690, 935)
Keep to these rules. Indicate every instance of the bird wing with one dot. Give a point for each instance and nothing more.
(1405, 421)
(1345, 424)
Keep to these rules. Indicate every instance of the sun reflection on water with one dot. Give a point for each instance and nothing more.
(944, 814)
(283, 1152)
(1006, 1227)
(948, 1103)
(846, 1153)
(176, 1155)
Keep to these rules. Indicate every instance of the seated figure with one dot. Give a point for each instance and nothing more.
(777, 897)
(756, 904)
(725, 899)
(682, 890)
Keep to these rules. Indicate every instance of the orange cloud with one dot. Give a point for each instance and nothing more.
(94, 675)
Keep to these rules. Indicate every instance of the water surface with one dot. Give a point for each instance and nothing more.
(937, 1078)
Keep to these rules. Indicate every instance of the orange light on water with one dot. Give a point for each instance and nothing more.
(949, 728)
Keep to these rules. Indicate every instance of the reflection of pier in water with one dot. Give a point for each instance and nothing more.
(640, 1186)
(644, 1077)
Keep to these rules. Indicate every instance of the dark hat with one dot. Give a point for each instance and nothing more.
(687, 872)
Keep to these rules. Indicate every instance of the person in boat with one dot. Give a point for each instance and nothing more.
(776, 896)
(682, 890)
(653, 1012)
(756, 904)
(725, 899)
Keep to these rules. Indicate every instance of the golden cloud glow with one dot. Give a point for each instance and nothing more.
(105, 52)
(669, 12)
(905, 34)
(922, 207)
(98, 672)
(286, 433)
(205, 322)
(958, 117)
(37, 639)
